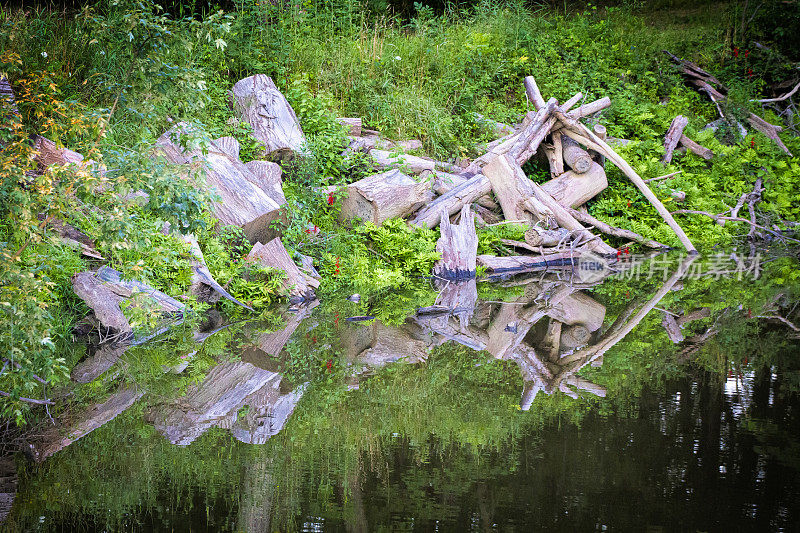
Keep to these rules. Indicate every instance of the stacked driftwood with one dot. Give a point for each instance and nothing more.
(493, 189)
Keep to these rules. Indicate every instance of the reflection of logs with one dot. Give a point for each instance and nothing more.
(58, 437)
(8, 486)
(228, 391)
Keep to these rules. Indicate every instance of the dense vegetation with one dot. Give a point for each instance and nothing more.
(108, 79)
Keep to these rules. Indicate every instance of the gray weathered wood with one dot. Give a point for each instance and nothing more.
(257, 101)
(353, 125)
(379, 197)
(575, 157)
(458, 246)
(673, 136)
(273, 254)
(451, 202)
(571, 189)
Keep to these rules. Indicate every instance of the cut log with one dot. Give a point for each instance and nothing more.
(533, 92)
(353, 125)
(379, 197)
(444, 182)
(458, 246)
(410, 163)
(672, 328)
(453, 201)
(551, 342)
(241, 202)
(696, 148)
(203, 283)
(413, 144)
(58, 437)
(299, 285)
(575, 157)
(601, 133)
(390, 345)
(674, 134)
(266, 175)
(571, 189)
(574, 337)
(257, 101)
(579, 309)
(48, 153)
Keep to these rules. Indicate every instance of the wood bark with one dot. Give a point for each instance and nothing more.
(458, 246)
(672, 328)
(48, 153)
(241, 202)
(579, 308)
(520, 263)
(93, 367)
(58, 437)
(353, 125)
(298, 284)
(557, 161)
(380, 197)
(601, 133)
(674, 134)
(453, 201)
(575, 157)
(547, 238)
(257, 101)
(444, 182)
(696, 148)
(572, 189)
(511, 187)
(266, 175)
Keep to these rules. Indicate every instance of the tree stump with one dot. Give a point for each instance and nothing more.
(379, 197)
(458, 246)
(273, 254)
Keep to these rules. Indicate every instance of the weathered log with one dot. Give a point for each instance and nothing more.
(266, 175)
(58, 437)
(574, 337)
(673, 136)
(353, 125)
(414, 144)
(380, 197)
(590, 109)
(582, 134)
(299, 285)
(458, 246)
(557, 162)
(510, 186)
(498, 128)
(572, 189)
(546, 238)
(105, 357)
(575, 157)
(410, 163)
(48, 153)
(203, 283)
(214, 402)
(390, 345)
(696, 148)
(273, 343)
(551, 342)
(562, 215)
(527, 263)
(444, 182)
(241, 202)
(453, 201)
(578, 308)
(487, 215)
(257, 101)
(533, 92)
(614, 231)
(671, 327)
(602, 133)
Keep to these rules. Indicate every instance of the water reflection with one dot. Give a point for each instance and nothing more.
(634, 419)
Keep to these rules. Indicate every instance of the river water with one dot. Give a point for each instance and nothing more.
(659, 395)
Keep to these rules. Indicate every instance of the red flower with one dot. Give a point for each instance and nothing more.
(746, 53)
(736, 52)
(329, 365)
(752, 143)
(336, 321)
(314, 339)
(750, 73)
(338, 271)
(330, 199)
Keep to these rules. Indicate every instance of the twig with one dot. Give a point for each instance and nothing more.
(664, 177)
(608, 229)
(717, 218)
(780, 318)
(27, 400)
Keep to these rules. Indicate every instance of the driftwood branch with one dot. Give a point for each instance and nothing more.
(608, 229)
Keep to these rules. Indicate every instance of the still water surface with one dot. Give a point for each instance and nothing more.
(664, 403)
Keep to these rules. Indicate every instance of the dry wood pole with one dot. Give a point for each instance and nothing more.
(510, 186)
(696, 148)
(546, 238)
(50, 154)
(410, 163)
(572, 189)
(458, 246)
(444, 182)
(558, 155)
(467, 191)
(575, 157)
(273, 254)
(526, 263)
(241, 202)
(380, 197)
(674, 134)
(257, 101)
(59, 437)
(582, 134)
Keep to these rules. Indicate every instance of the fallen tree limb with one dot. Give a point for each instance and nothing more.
(608, 229)
(673, 136)
(453, 200)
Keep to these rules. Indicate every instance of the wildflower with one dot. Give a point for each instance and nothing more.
(750, 73)
(338, 271)
(397, 58)
(752, 143)
(746, 53)
(329, 365)
(736, 52)
(44, 54)
(330, 199)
